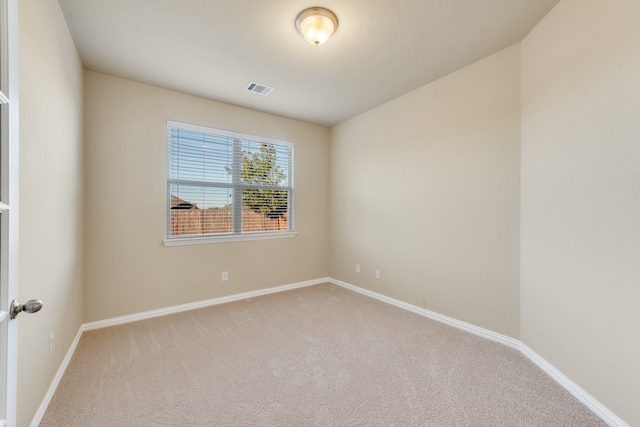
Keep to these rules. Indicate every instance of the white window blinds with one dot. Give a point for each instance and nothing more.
(226, 183)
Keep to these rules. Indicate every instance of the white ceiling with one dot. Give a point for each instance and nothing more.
(214, 48)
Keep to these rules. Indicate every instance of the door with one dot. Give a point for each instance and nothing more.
(8, 205)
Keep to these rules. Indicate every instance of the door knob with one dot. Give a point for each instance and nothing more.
(30, 306)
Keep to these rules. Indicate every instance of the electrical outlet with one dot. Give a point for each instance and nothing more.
(51, 343)
(377, 274)
(357, 268)
(225, 276)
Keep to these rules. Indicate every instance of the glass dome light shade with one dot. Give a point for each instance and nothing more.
(316, 25)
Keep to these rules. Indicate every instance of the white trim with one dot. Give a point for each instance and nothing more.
(578, 392)
(468, 327)
(229, 238)
(10, 171)
(37, 418)
(228, 133)
(195, 305)
(585, 398)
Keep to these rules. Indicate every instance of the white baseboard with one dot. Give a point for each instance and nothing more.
(195, 305)
(589, 401)
(37, 418)
(585, 398)
(468, 327)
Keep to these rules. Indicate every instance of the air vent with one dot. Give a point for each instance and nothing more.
(258, 88)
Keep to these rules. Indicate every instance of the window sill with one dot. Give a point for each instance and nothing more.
(228, 238)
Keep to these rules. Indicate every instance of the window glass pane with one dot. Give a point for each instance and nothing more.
(199, 157)
(265, 164)
(200, 210)
(264, 210)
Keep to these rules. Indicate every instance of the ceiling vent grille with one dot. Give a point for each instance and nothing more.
(258, 88)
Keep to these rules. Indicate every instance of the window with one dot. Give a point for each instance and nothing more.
(225, 186)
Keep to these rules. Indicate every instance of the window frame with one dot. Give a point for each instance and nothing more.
(235, 235)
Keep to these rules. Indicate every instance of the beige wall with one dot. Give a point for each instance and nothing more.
(581, 197)
(425, 188)
(128, 270)
(51, 179)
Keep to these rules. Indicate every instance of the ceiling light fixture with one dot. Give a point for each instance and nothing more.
(316, 24)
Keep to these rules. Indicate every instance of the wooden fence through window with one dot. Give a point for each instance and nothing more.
(219, 220)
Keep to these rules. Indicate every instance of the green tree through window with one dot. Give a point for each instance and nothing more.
(261, 168)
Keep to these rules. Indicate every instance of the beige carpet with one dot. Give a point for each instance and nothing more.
(316, 356)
